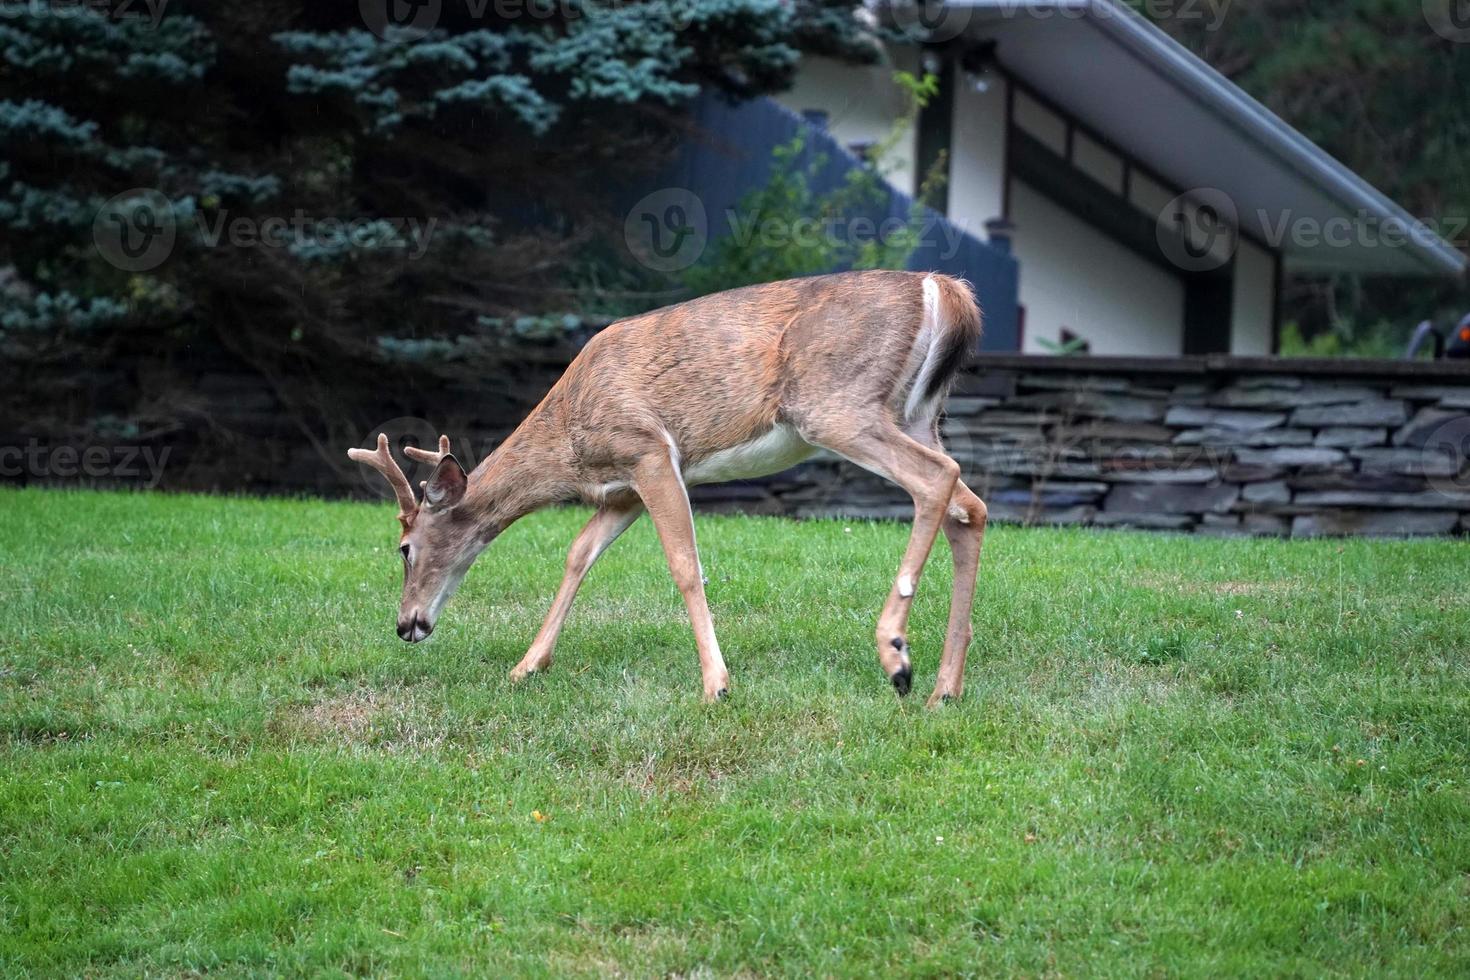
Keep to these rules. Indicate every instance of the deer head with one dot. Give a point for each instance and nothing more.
(439, 541)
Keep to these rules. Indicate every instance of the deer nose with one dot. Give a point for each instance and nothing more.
(414, 628)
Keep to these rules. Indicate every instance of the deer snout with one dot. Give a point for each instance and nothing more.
(414, 627)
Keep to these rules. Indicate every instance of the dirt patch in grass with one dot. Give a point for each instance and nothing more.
(658, 776)
(631, 950)
(1262, 590)
(364, 718)
(350, 715)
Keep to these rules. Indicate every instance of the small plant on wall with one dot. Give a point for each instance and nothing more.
(1070, 343)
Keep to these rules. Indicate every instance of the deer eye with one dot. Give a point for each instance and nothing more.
(405, 552)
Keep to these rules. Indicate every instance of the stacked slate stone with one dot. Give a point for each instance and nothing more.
(1217, 446)
(1213, 445)
(1223, 452)
(1219, 452)
(221, 425)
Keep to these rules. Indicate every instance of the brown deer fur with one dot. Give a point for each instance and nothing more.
(730, 386)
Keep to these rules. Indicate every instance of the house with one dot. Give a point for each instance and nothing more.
(1150, 206)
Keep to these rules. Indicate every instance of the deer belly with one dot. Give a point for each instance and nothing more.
(778, 449)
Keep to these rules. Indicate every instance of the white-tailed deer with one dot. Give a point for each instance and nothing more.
(732, 386)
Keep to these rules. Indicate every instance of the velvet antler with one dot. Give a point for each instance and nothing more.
(428, 456)
(382, 460)
(433, 458)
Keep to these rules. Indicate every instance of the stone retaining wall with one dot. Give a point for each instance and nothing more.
(1214, 445)
(203, 420)
(1217, 445)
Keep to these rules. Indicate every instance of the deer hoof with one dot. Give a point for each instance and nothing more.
(939, 698)
(903, 680)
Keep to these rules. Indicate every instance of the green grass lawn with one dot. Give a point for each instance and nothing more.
(1175, 755)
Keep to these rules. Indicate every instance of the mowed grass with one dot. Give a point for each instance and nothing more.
(1175, 755)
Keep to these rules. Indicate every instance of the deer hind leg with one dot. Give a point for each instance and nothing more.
(658, 481)
(595, 538)
(964, 526)
(930, 478)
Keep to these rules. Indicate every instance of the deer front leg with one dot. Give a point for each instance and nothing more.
(659, 483)
(595, 538)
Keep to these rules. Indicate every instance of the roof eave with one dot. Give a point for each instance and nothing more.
(1233, 107)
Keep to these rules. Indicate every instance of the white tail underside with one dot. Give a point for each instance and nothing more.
(918, 411)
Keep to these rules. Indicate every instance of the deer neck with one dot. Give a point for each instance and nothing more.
(531, 469)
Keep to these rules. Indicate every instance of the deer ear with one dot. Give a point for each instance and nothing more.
(446, 487)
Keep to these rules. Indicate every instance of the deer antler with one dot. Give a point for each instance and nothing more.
(432, 458)
(426, 456)
(382, 461)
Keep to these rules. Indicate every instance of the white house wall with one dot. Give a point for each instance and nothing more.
(1099, 163)
(1071, 274)
(1074, 276)
(977, 160)
(862, 103)
(1253, 306)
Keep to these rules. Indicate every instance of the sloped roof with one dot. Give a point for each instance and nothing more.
(1106, 65)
